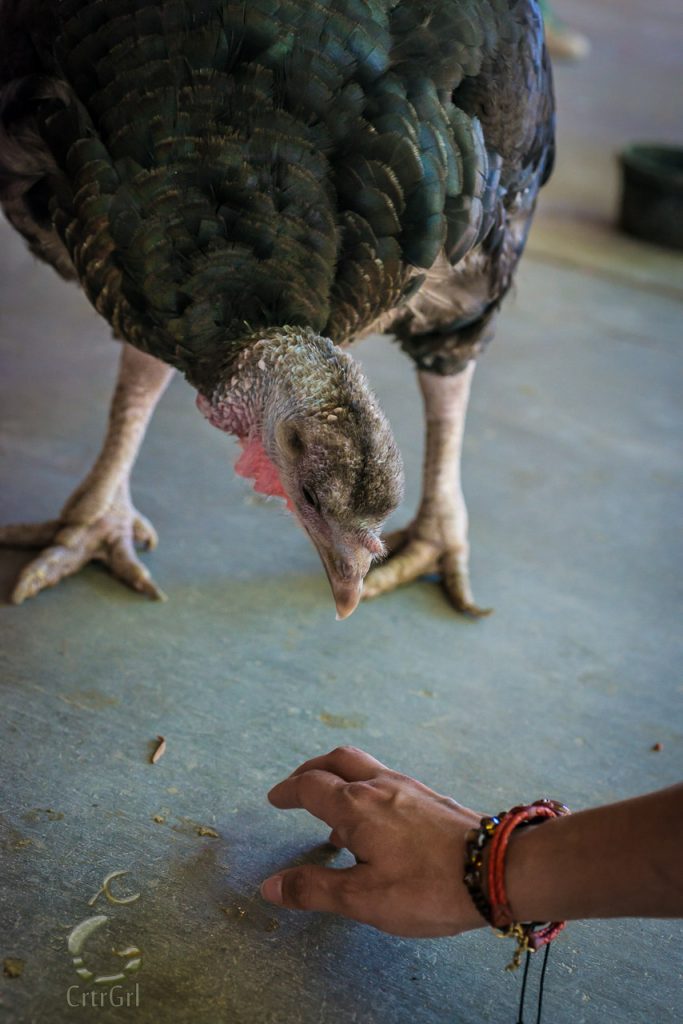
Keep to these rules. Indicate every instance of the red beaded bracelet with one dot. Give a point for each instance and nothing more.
(495, 832)
(530, 936)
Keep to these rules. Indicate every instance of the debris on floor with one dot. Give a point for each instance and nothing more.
(12, 967)
(160, 749)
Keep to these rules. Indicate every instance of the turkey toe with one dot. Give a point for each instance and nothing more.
(414, 559)
(68, 546)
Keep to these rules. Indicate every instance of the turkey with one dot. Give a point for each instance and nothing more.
(242, 189)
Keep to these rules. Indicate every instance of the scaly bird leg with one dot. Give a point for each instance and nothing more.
(436, 540)
(99, 520)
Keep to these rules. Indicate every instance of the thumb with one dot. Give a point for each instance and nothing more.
(311, 887)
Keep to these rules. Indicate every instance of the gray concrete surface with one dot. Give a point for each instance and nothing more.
(572, 469)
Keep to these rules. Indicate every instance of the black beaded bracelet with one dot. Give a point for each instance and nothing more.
(475, 842)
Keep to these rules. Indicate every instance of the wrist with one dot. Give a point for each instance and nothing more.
(487, 865)
(473, 882)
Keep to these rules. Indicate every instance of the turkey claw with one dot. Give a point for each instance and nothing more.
(68, 546)
(411, 556)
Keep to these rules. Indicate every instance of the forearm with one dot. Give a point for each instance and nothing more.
(620, 860)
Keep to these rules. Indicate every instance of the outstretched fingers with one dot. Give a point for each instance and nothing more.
(328, 786)
(339, 788)
(348, 763)
(312, 887)
(318, 792)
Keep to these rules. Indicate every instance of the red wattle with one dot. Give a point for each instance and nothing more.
(254, 464)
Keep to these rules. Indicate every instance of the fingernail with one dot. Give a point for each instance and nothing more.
(271, 889)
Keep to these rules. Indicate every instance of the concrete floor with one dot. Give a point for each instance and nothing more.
(572, 466)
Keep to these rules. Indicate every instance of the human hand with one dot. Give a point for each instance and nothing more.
(408, 841)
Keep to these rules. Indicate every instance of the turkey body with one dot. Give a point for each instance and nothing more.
(196, 165)
(210, 170)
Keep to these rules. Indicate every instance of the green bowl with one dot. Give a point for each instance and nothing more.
(652, 194)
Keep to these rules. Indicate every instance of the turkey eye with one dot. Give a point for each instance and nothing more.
(310, 498)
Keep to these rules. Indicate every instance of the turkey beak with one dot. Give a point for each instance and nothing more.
(346, 596)
(346, 568)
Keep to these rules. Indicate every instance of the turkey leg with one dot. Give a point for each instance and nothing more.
(436, 540)
(99, 520)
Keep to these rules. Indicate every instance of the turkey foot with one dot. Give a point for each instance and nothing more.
(81, 535)
(417, 551)
(99, 521)
(436, 541)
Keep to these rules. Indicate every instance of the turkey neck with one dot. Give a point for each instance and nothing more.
(285, 374)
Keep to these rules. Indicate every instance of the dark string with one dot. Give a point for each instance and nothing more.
(541, 984)
(520, 1017)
